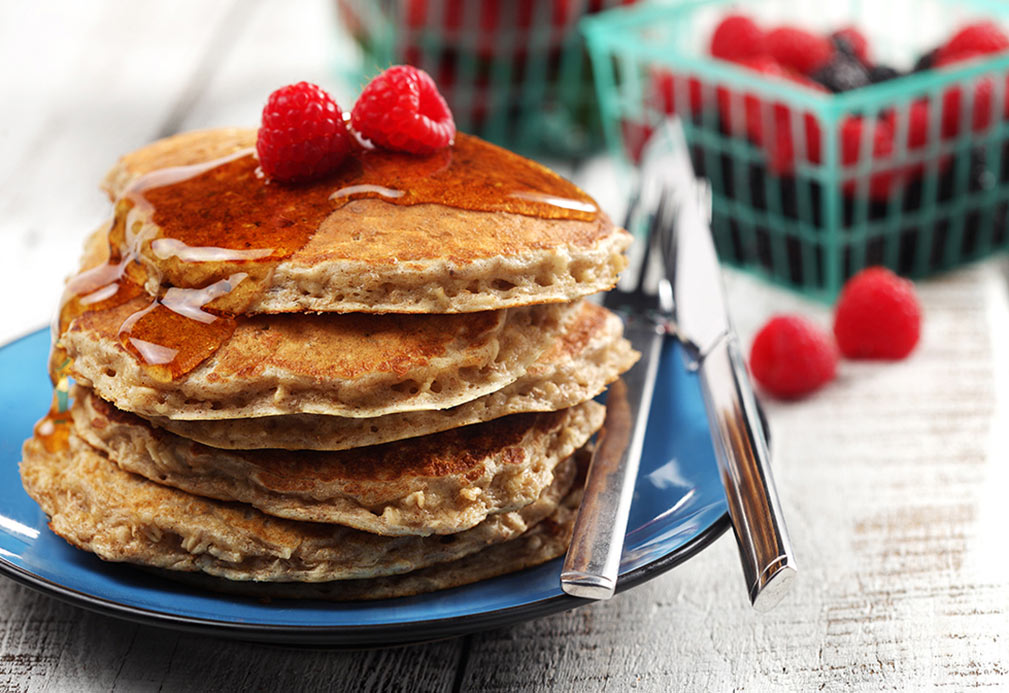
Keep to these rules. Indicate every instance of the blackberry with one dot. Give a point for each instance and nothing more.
(842, 73)
(926, 61)
(980, 176)
(882, 73)
(843, 45)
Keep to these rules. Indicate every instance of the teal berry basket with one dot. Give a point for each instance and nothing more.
(810, 187)
(514, 72)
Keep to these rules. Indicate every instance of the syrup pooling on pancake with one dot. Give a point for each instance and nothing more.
(228, 205)
(209, 235)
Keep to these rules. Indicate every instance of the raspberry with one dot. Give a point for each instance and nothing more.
(882, 179)
(877, 316)
(974, 39)
(853, 42)
(737, 37)
(635, 137)
(792, 357)
(401, 109)
(918, 125)
(302, 135)
(666, 88)
(781, 154)
(753, 105)
(799, 49)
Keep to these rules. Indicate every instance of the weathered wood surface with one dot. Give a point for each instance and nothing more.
(893, 479)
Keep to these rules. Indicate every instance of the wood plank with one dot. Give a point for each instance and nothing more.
(46, 645)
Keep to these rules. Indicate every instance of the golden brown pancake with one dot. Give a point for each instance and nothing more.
(437, 484)
(354, 365)
(436, 254)
(98, 507)
(589, 354)
(547, 540)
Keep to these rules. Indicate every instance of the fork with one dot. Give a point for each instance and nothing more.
(593, 558)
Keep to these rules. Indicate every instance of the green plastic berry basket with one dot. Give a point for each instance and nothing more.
(810, 187)
(513, 71)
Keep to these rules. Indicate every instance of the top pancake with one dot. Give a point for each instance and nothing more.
(427, 250)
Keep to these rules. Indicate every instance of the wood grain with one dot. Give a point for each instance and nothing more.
(893, 479)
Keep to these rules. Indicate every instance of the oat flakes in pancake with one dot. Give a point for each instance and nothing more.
(438, 484)
(589, 354)
(414, 243)
(119, 516)
(354, 365)
(548, 539)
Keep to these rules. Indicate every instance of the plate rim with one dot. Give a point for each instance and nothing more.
(364, 634)
(351, 636)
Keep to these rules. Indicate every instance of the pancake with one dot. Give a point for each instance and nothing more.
(547, 540)
(449, 238)
(354, 365)
(589, 354)
(438, 484)
(98, 507)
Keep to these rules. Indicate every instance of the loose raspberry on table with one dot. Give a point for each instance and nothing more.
(877, 316)
(402, 110)
(737, 37)
(792, 357)
(302, 135)
(799, 50)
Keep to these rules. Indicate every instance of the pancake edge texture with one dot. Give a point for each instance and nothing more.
(121, 517)
(249, 376)
(433, 485)
(548, 539)
(588, 356)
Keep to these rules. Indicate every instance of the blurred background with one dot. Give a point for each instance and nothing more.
(812, 181)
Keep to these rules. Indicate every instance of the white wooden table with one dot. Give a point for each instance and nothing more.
(894, 479)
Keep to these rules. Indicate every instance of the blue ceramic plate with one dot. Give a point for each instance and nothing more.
(679, 508)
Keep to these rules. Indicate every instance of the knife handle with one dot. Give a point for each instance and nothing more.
(744, 464)
(592, 563)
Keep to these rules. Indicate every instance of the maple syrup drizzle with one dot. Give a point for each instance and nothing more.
(53, 431)
(213, 233)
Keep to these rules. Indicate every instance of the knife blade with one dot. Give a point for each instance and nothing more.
(703, 325)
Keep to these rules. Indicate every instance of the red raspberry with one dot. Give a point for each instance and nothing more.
(401, 109)
(665, 89)
(877, 316)
(737, 37)
(635, 137)
(884, 176)
(973, 39)
(792, 357)
(302, 135)
(856, 39)
(798, 49)
(753, 106)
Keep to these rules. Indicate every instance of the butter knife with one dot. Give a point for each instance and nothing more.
(711, 347)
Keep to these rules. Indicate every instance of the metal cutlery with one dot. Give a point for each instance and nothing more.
(690, 303)
(711, 347)
(593, 559)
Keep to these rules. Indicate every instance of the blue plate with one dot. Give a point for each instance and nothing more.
(679, 508)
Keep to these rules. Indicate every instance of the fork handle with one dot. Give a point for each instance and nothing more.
(744, 464)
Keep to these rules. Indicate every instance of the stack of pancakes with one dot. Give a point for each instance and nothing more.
(380, 383)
